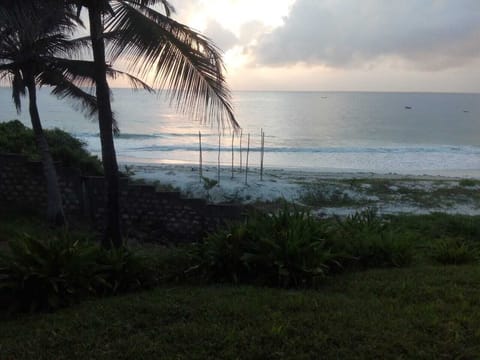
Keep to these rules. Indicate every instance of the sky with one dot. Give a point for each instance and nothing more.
(343, 45)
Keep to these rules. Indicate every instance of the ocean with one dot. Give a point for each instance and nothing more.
(404, 133)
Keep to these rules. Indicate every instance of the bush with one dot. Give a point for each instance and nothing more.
(367, 240)
(65, 148)
(220, 256)
(292, 248)
(454, 251)
(286, 249)
(39, 275)
(123, 270)
(45, 275)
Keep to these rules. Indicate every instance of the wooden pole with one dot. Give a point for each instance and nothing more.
(261, 156)
(201, 159)
(219, 152)
(241, 136)
(233, 138)
(246, 164)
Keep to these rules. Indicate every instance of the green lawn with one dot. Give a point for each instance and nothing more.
(423, 312)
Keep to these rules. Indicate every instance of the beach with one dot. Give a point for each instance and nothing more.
(324, 192)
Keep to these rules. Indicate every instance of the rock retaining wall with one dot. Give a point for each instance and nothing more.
(147, 214)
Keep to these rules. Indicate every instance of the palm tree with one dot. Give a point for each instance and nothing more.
(34, 50)
(182, 60)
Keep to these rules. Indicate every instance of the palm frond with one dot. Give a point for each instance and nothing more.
(81, 72)
(184, 61)
(18, 90)
(64, 88)
(135, 82)
(169, 9)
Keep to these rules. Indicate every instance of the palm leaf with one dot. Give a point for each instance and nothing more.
(183, 61)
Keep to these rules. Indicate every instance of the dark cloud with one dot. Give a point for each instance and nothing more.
(430, 34)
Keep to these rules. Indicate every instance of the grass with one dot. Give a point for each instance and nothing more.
(416, 313)
(425, 311)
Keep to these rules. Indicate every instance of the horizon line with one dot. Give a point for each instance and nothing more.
(453, 92)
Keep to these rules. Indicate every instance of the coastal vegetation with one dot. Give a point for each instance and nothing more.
(181, 59)
(147, 39)
(361, 304)
(278, 284)
(34, 50)
(16, 138)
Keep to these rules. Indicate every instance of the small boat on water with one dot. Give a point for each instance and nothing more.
(408, 107)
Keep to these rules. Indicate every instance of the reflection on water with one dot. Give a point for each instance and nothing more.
(380, 132)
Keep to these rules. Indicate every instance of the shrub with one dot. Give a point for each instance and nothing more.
(220, 256)
(65, 148)
(367, 240)
(284, 249)
(122, 270)
(453, 251)
(39, 275)
(468, 182)
(45, 275)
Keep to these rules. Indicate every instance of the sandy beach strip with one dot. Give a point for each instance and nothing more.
(326, 192)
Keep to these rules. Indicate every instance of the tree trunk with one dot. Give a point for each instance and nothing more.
(55, 214)
(112, 233)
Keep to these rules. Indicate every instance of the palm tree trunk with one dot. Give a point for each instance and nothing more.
(112, 233)
(55, 214)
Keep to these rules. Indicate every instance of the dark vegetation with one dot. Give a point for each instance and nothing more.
(43, 269)
(16, 138)
(359, 287)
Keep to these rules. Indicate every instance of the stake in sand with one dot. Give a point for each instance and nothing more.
(246, 164)
(201, 159)
(241, 136)
(261, 156)
(233, 139)
(219, 152)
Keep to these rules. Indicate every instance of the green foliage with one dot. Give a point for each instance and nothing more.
(318, 196)
(454, 251)
(291, 249)
(286, 249)
(429, 228)
(65, 148)
(122, 270)
(468, 182)
(220, 256)
(209, 183)
(16, 138)
(369, 241)
(38, 275)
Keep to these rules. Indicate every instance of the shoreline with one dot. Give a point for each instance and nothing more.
(326, 193)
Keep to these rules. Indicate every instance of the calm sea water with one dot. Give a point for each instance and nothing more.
(408, 133)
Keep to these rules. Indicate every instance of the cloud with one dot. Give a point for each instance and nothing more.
(250, 31)
(427, 34)
(223, 38)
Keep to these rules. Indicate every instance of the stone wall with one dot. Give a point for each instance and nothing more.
(147, 214)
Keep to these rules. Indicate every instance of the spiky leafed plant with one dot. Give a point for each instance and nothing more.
(35, 47)
(182, 60)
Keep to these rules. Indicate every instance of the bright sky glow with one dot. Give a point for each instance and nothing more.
(343, 45)
(233, 14)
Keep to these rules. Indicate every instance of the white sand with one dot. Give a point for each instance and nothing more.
(290, 184)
